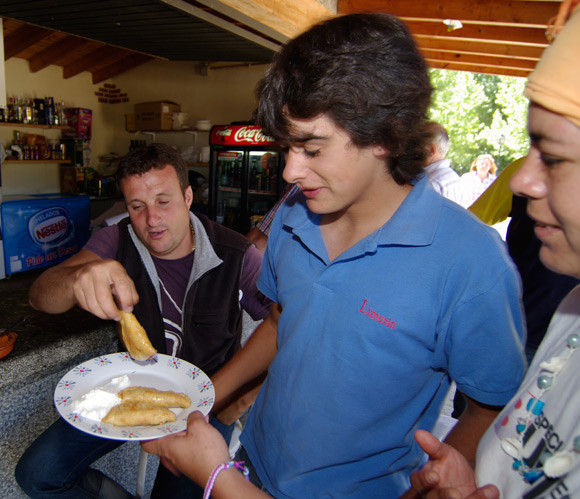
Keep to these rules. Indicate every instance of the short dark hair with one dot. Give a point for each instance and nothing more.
(153, 157)
(363, 71)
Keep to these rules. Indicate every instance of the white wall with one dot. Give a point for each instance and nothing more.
(222, 96)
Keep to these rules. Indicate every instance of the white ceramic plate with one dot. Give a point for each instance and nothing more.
(163, 373)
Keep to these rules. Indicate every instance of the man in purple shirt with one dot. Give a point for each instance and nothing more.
(184, 277)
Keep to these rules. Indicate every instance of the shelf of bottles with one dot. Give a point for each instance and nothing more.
(35, 161)
(44, 112)
(40, 114)
(32, 125)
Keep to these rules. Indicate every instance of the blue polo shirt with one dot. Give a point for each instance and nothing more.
(368, 344)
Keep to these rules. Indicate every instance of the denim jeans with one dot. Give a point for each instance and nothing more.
(242, 455)
(57, 465)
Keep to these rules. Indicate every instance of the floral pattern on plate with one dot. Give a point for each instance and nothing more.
(164, 372)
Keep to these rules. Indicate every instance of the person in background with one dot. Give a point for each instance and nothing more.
(480, 176)
(259, 234)
(532, 449)
(442, 177)
(186, 279)
(353, 369)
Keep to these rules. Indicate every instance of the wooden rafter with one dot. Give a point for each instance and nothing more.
(496, 36)
(55, 53)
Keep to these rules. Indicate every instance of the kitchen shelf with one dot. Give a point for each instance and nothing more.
(36, 161)
(185, 130)
(33, 125)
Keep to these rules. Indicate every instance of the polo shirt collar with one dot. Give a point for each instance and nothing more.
(413, 224)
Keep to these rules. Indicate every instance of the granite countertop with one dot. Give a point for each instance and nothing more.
(46, 342)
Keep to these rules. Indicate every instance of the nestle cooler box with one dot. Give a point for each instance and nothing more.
(39, 231)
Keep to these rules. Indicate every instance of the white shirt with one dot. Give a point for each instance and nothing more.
(551, 432)
(444, 179)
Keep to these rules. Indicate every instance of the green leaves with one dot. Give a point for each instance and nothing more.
(478, 110)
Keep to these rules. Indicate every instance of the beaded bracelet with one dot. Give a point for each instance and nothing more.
(221, 467)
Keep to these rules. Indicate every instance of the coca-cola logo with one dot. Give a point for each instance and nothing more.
(246, 134)
(49, 226)
(224, 133)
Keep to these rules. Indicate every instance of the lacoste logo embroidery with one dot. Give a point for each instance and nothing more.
(375, 316)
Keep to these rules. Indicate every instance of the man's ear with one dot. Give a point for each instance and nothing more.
(188, 194)
(431, 153)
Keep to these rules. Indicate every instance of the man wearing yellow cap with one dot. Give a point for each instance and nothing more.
(533, 447)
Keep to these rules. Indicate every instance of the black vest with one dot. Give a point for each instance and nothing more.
(212, 317)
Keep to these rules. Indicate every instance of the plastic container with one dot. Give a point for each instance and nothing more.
(7, 343)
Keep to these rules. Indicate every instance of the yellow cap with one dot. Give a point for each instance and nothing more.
(555, 82)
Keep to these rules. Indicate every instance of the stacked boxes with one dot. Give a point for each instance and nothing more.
(80, 120)
(155, 115)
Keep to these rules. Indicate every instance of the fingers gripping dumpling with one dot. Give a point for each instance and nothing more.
(138, 414)
(155, 397)
(135, 338)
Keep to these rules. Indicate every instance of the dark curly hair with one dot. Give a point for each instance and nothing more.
(364, 72)
(153, 157)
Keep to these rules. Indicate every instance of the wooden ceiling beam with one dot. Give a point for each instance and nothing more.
(55, 53)
(91, 60)
(480, 47)
(288, 18)
(494, 34)
(122, 65)
(22, 38)
(515, 12)
(473, 68)
(479, 59)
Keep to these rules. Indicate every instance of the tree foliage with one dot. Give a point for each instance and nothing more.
(483, 114)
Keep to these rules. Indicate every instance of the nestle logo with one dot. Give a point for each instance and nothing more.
(375, 316)
(49, 226)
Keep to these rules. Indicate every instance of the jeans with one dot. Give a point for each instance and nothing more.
(242, 455)
(57, 464)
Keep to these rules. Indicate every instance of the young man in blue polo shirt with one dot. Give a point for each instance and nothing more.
(384, 290)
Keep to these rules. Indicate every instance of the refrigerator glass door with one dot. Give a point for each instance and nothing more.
(262, 183)
(229, 177)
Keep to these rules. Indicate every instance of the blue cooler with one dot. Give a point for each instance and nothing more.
(39, 231)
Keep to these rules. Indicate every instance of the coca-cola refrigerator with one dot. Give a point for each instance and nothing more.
(245, 175)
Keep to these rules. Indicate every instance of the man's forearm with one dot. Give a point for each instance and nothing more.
(52, 291)
(247, 364)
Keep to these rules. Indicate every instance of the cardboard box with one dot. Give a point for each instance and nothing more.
(130, 123)
(155, 115)
(71, 179)
(80, 121)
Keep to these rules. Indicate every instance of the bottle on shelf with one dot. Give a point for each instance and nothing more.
(19, 110)
(16, 147)
(238, 174)
(27, 112)
(49, 110)
(40, 113)
(253, 174)
(224, 174)
(10, 109)
(61, 114)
